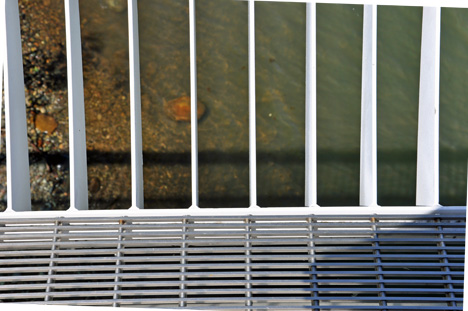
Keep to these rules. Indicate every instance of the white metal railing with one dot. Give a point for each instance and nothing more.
(427, 163)
(427, 198)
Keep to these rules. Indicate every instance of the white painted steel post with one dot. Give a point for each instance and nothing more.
(1, 86)
(76, 109)
(427, 182)
(18, 186)
(311, 107)
(368, 177)
(252, 110)
(2, 57)
(193, 104)
(135, 106)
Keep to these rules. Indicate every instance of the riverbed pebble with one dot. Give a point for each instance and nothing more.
(45, 123)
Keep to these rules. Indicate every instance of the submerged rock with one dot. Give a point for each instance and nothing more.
(45, 123)
(116, 5)
(94, 184)
(179, 109)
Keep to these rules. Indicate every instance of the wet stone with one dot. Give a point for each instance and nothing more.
(45, 123)
(94, 185)
(179, 109)
(116, 5)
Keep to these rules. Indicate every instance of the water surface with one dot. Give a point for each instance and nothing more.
(280, 76)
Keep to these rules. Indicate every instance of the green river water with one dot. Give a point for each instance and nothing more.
(222, 61)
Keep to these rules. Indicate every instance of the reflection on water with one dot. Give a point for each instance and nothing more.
(280, 60)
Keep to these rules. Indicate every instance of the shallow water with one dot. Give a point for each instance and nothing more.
(280, 60)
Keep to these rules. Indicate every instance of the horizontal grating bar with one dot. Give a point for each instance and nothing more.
(442, 3)
(215, 282)
(239, 307)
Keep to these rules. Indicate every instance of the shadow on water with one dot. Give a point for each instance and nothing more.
(333, 193)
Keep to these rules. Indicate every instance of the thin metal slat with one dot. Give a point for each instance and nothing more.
(216, 284)
(208, 250)
(329, 226)
(330, 306)
(311, 107)
(74, 278)
(229, 291)
(409, 278)
(76, 109)
(135, 107)
(208, 258)
(427, 180)
(368, 172)
(252, 109)
(101, 235)
(224, 242)
(216, 266)
(90, 224)
(18, 185)
(193, 104)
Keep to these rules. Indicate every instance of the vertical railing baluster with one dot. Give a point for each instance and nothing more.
(2, 58)
(76, 109)
(427, 182)
(18, 186)
(252, 113)
(311, 107)
(368, 177)
(135, 106)
(193, 104)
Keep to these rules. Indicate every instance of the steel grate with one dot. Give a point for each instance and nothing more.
(255, 262)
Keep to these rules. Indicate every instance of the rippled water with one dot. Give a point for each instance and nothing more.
(280, 61)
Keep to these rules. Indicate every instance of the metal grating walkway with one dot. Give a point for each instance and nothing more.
(256, 262)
